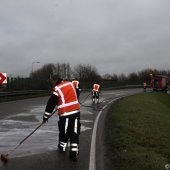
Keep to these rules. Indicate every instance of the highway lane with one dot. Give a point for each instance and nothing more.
(19, 118)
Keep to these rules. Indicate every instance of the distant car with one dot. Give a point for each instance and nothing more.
(160, 83)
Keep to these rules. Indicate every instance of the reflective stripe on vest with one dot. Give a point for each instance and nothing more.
(75, 83)
(68, 104)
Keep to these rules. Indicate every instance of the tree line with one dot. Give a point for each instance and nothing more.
(87, 74)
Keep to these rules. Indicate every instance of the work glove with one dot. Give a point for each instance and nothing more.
(46, 117)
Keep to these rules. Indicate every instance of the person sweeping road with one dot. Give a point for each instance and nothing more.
(76, 84)
(95, 92)
(144, 86)
(65, 99)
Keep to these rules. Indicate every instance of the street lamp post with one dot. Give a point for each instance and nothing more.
(33, 64)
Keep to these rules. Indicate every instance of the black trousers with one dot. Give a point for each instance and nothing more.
(78, 93)
(95, 95)
(69, 129)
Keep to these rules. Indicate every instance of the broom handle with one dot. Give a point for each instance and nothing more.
(32, 132)
(25, 138)
(35, 129)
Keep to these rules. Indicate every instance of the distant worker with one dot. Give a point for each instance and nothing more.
(152, 83)
(144, 86)
(64, 97)
(95, 92)
(76, 84)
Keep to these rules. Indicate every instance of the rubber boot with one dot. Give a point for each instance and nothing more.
(74, 156)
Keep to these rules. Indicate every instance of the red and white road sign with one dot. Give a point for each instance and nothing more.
(3, 78)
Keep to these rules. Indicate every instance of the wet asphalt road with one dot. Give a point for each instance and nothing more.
(39, 152)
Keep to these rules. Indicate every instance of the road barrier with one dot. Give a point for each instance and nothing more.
(25, 93)
(118, 87)
(30, 92)
(22, 93)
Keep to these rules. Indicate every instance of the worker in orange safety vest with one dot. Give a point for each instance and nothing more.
(76, 85)
(95, 92)
(65, 99)
(144, 86)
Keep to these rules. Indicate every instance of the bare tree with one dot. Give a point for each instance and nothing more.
(107, 76)
(63, 70)
(133, 76)
(43, 73)
(86, 72)
(115, 77)
(122, 77)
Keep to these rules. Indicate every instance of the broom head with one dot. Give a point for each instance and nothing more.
(4, 157)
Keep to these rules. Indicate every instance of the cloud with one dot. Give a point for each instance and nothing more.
(115, 36)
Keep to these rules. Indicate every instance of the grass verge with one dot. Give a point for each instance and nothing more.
(138, 132)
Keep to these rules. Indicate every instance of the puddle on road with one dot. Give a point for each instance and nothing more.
(14, 128)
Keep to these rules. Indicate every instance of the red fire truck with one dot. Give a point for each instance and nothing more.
(160, 82)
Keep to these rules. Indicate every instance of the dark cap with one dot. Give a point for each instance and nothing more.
(56, 78)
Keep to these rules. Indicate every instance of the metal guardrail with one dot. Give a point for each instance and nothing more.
(118, 87)
(22, 93)
(34, 92)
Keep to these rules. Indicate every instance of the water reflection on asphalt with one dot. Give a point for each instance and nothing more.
(14, 128)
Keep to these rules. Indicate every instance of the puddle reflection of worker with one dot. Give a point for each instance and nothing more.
(95, 92)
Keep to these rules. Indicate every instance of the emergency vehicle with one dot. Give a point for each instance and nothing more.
(160, 83)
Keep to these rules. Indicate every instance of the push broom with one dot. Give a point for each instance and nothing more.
(5, 156)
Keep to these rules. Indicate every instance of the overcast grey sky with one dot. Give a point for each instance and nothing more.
(117, 36)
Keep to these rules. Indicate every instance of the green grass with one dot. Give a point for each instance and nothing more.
(138, 132)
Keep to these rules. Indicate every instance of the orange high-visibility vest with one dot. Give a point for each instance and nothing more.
(96, 87)
(75, 83)
(67, 99)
